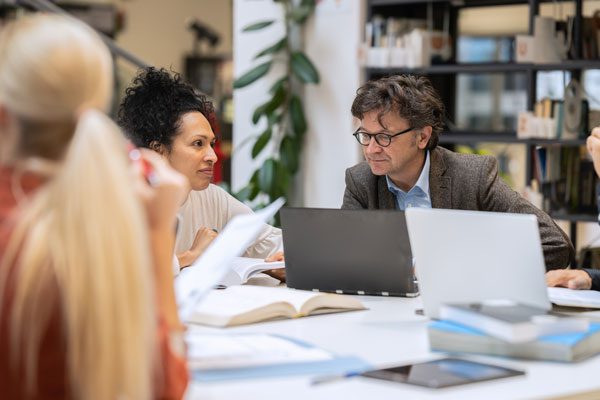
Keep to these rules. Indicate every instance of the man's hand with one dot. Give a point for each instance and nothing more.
(204, 237)
(569, 278)
(593, 147)
(276, 273)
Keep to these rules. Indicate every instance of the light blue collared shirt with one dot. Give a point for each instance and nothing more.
(418, 195)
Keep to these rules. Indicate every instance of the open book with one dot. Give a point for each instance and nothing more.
(243, 268)
(239, 305)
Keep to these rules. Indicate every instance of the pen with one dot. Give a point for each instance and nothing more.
(146, 168)
(332, 378)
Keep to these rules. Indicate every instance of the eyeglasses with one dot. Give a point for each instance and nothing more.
(382, 139)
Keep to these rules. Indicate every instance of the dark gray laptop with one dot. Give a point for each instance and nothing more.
(348, 251)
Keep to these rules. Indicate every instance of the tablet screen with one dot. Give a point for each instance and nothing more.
(443, 372)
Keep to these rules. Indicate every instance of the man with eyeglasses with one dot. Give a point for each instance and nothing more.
(401, 118)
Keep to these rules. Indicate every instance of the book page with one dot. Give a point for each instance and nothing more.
(215, 351)
(574, 298)
(241, 299)
(245, 266)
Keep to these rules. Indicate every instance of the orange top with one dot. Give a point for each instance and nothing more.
(52, 379)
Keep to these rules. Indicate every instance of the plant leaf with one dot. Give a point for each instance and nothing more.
(297, 116)
(259, 112)
(303, 11)
(261, 142)
(266, 175)
(252, 75)
(276, 101)
(254, 192)
(274, 118)
(304, 68)
(276, 85)
(281, 182)
(244, 193)
(272, 49)
(289, 153)
(257, 26)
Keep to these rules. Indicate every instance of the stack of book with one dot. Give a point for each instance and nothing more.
(513, 330)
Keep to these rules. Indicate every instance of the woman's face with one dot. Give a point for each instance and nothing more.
(192, 152)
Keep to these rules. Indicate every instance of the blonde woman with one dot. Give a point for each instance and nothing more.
(87, 308)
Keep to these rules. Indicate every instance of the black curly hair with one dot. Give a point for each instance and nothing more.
(153, 105)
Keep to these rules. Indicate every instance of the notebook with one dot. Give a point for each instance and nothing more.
(474, 256)
(348, 251)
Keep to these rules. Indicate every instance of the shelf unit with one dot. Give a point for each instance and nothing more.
(443, 76)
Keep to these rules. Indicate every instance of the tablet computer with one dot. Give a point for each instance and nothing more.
(443, 372)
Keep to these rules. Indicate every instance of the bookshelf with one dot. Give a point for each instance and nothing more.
(444, 14)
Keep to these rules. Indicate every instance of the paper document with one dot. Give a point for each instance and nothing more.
(227, 357)
(217, 351)
(213, 264)
(243, 268)
(574, 298)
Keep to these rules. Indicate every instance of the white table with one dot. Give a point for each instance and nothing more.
(390, 333)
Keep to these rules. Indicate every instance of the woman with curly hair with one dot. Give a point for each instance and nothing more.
(163, 113)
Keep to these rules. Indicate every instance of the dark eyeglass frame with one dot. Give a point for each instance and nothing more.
(379, 136)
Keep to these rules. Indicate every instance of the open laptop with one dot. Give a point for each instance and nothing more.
(471, 256)
(348, 251)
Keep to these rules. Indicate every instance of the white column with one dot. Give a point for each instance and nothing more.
(332, 39)
(245, 46)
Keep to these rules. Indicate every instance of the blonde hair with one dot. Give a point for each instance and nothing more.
(81, 243)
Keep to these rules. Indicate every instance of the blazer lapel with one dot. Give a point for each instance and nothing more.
(440, 186)
(387, 201)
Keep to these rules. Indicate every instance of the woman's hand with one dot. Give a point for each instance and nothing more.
(276, 273)
(162, 192)
(203, 239)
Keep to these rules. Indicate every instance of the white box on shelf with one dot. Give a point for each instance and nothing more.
(378, 57)
(524, 49)
(525, 128)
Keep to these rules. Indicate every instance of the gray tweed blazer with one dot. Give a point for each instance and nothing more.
(461, 182)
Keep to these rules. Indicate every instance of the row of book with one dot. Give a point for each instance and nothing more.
(514, 330)
(403, 42)
(553, 119)
(567, 179)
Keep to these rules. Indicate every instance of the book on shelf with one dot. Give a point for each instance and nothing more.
(239, 305)
(511, 321)
(243, 268)
(568, 347)
(219, 357)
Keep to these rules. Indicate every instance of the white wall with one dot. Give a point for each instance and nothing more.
(245, 46)
(331, 41)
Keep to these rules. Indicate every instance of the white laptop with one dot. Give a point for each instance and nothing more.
(471, 256)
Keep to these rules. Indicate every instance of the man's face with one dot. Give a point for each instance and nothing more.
(192, 151)
(404, 150)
